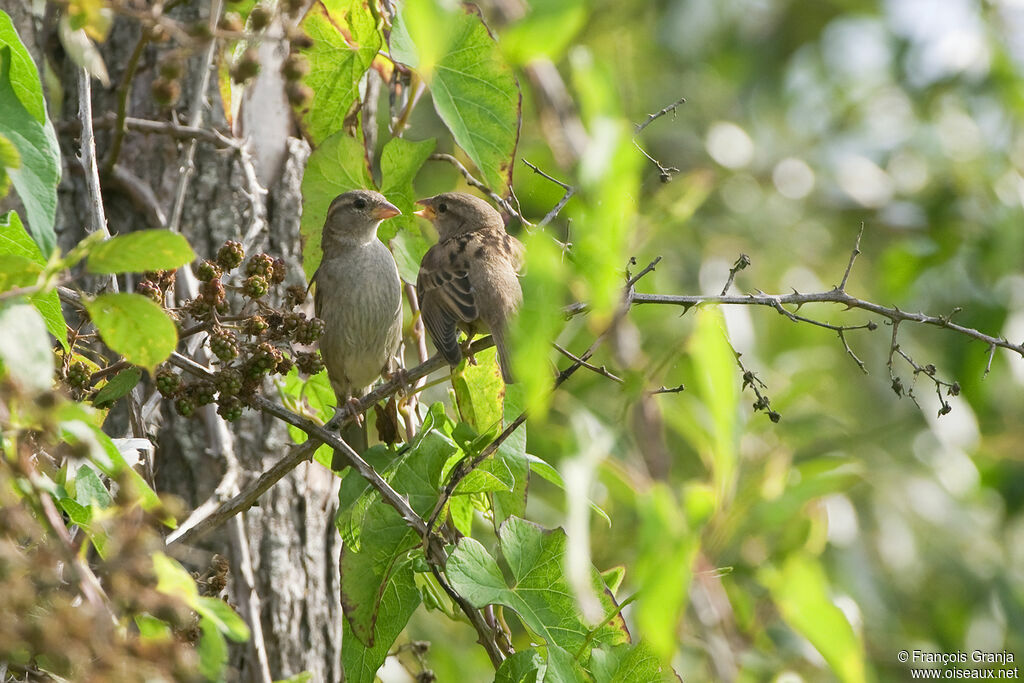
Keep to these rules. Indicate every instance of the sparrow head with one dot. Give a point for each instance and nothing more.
(354, 216)
(454, 213)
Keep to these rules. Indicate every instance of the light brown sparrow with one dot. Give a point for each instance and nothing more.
(469, 279)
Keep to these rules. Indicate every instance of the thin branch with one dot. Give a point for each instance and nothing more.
(569, 191)
(602, 370)
(742, 262)
(478, 184)
(853, 257)
(123, 92)
(651, 118)
(96, 213)
(665, 172)
(195, 118)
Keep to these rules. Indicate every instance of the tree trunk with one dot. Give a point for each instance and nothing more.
(291, 537)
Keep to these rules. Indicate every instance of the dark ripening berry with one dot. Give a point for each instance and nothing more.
(256, 286)
(198, 308)
(230, 255)
(228, 382)
(200, 30)
(310, 331)
(279, 272)
(167, 383)
(230, 408)
(309, 363)
(78, 375)
(295, 295)
(259, 18)
(231, 22)
(165, 91)
(293, 7)
(247, 66)
(185, 406)
(201, 392)
(213, 292)
(223, 343)
(295, 67)
(299, 39)
(285, 365)
(292, 323)
(265, 359)
(207, 270)
(255, 326)
(171, 67)
(149, 290)
(299, 94)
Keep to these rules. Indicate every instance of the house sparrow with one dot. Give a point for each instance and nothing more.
(469, 278)
(359, 298)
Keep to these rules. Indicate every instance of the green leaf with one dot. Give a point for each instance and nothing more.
(135, 327)
(213, 651)
(9, 157)
(345, 42)
(25, 347)
(77, 513)
(398, 601)
(715, 366)
(118, 387)
(474, 91)
(545, 289)
(153, 629)
(23, 75)
(480, 392)
(549, 474)
(666, 550)
(140, 251)
(173, 580)
(383, 537)
(628, 663)
(223, 617)
(801, 591)
(336, 166)
(540, 593)
(90, 490)
(15, 241)
(525, 666)
(37, 178)
(400, 161)
(82, 50)
(17, 271)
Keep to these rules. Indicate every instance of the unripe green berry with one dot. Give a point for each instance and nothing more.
(256, 286)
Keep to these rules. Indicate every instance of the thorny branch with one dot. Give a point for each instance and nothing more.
(665, 172)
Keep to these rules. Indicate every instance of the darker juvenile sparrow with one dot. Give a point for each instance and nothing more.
(468, 280)
(359, 298)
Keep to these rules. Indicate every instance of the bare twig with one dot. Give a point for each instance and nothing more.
(195, 118)
(569, 191)
(742, 262)
(665, 172)
(478, 184)
(602, 370)
(651, 118)
(853, 257)
(123, 92)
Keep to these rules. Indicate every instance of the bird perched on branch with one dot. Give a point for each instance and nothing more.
(469, 279)
(359, 298)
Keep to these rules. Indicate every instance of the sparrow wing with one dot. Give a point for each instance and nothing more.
(446, 297)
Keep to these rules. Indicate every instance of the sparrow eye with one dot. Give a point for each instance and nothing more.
(359, 203)
(442, 207)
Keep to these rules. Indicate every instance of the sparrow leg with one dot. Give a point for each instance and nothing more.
(467, 350)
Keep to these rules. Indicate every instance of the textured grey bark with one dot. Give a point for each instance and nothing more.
(292, 539)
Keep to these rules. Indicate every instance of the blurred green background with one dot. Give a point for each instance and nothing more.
(861, 524)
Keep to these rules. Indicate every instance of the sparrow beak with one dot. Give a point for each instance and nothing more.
(385, 210)
(426, 212)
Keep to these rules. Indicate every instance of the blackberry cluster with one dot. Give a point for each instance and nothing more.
(250, 337)
(78, 376)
